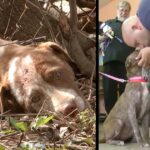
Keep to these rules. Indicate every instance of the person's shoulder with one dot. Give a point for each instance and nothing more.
(110, 21)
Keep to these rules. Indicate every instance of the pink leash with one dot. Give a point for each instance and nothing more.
(132, 79)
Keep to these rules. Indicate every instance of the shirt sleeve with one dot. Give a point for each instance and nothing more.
(143, 13)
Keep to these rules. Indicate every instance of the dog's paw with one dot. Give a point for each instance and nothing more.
(145, 144)
(115, 142)
(120, 143)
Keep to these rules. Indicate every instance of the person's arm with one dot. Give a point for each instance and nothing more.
(144, 57)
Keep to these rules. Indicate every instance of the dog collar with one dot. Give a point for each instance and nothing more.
(137, 79)
(131, 79)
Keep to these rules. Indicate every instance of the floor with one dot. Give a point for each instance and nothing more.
(131, 146)
(128, 146)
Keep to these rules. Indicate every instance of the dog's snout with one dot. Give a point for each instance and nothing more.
(69, 108)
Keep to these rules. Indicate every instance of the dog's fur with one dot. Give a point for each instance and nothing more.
(37, 78)
(133, 105)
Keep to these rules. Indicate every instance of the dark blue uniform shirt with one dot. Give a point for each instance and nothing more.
(116, 51)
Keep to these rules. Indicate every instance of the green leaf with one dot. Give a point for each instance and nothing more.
(2, 147)
(20, 126)
(89, 141)
(7, 131)
(13, 123)
(42, 120)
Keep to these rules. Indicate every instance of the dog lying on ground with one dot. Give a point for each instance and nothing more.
(37, 78)
(133, 105)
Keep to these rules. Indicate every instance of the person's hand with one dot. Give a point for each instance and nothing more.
(107, 30)
(144, 57)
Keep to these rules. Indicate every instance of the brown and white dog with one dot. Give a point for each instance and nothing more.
(34, 78)
(133, 105)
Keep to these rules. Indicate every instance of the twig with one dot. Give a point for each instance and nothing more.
(17, 24)
(88, 20)
(9, 43)
(41, 25)
(40, 110)
(31, 40)
(21, 138)
(22, 42)
(90, 91)
(9, 19)
(45, 18)
(26, 114)
(72, 147)
(62, 38)
(7, 148)
(91, 82)
(87, 86)
(8, 135)
(73, 16)
(67, 136)
(36, 131)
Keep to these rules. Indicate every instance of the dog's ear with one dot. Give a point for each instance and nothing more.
(7, 99)
(56, 49)
(3, 98)
(59, 51)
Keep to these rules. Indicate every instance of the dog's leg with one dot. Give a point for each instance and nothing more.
(113, 130)
(145, 127)
(145, 130)
(134, 123)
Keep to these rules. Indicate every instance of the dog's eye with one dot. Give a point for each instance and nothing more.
(56, 75)
(35, 97)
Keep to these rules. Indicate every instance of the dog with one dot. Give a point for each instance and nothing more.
(39, 78)
(133, 105)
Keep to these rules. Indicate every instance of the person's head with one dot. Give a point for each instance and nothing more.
(136, 29)
(134, 33)
(123, 10)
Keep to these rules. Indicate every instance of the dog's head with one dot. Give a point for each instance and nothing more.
(41, 79)
(132, 65)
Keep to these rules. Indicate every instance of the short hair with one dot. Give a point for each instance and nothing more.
(124, 3)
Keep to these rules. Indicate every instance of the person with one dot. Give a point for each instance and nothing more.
(136, 32)
(114, 58)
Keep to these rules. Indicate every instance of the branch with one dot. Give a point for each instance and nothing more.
(73, 15)
(85, 3)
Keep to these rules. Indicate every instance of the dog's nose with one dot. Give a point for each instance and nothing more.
(69, 108)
